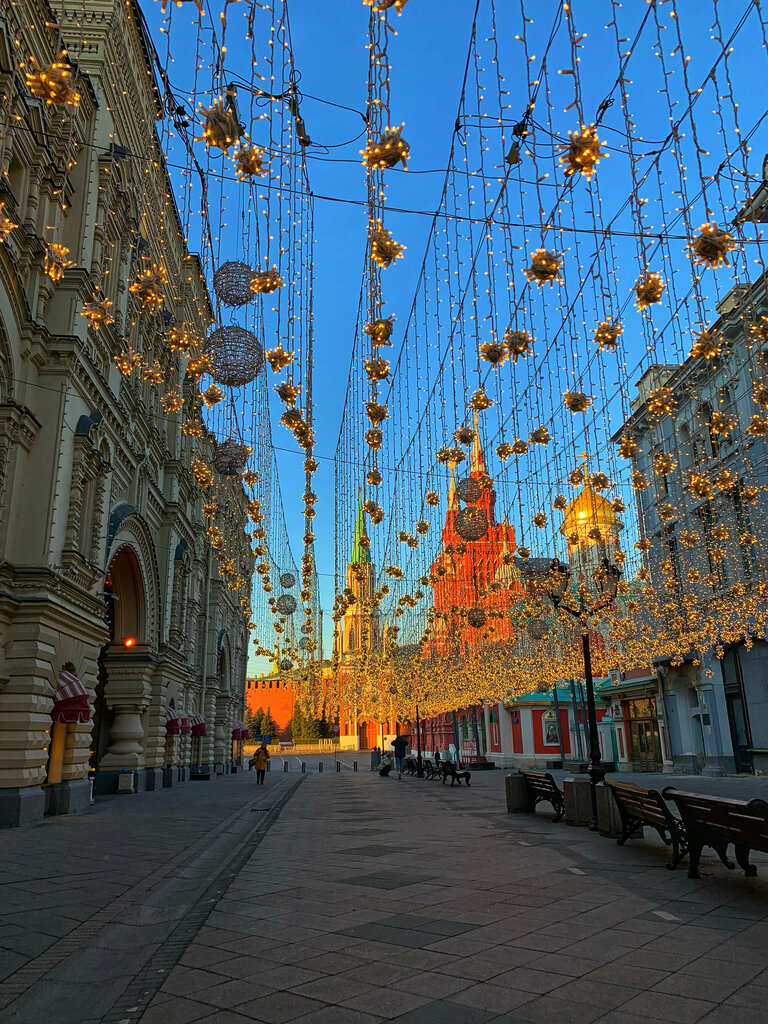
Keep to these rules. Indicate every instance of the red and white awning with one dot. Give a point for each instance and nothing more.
(71, 702)
(172, 722)
(239, 730)
(184, 725)
(197, 722)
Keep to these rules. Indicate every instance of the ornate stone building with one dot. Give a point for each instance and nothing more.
(122, 650)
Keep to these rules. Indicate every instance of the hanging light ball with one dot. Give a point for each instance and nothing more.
(468, 490)
(471, 523)
(476, 618)
(286, 604)
(230, 457)
(236, 355)
(232, 283)
(286, 665)
(287, 580)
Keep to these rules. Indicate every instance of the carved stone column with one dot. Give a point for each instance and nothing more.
(127, 694)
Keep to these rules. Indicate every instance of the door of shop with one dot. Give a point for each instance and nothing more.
(738, 718)
(644, 738)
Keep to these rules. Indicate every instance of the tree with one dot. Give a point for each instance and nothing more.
(255, 722)
(268, 724)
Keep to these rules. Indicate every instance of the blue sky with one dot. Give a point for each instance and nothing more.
(428, 56)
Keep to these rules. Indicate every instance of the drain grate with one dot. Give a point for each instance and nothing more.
(260, 810)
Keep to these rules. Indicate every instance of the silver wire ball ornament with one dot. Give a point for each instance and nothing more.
(286, 665)
(286, 604)
(306, 628)
(230, 457)
(468, 490)
(476, 617)
(287, 580)
(471, 523)
(303, 644)
(236, 355)
(232, 283)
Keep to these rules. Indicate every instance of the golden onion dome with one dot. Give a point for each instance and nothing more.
(589, 509)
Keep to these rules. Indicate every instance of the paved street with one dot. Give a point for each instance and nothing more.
(350, 899)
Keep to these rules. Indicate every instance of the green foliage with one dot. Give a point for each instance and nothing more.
(268, 724)
(305, 728)
(254, 721)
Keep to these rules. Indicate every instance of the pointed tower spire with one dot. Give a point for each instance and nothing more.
(477, 462)
(452, 501)
(360, 552)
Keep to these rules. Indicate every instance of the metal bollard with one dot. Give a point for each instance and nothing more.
(338, 766)
(285, 766)
(320, 766)
(303, 767)
(354, 766)
(269, 766)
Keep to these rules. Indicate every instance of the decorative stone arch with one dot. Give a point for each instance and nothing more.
(223, 663)
(128, 531)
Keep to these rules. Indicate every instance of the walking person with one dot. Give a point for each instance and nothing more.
(260, 763)
(400, 743)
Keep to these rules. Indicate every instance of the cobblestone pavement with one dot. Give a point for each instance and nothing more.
(351, 899)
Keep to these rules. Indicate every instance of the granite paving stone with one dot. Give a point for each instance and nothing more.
(322, 919)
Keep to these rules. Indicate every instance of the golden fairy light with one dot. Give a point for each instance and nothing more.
(182, 338)
(249, 163)
(628, 446)
(377, 369)
(148, 287)
(152, 372)
(649, 288)
(127, 361)
(504, 450)
(388, 151)
(432, 498)
(56, 261)
(374, 438)
(494, 353)
(544, 267)
(53, 83)
(518, 343)
(97, 311)
(712, 245)
(661, 402)
(220, 126)
(287, 392)
(384, 5)
(380, 331)
(480, 401)
(607, 334)
(664, 463)
(278, 358)
(540, 435)
(759, 329)
(264, 282)
(6, 224)
(577, 401)
(202, 473)
(759, 426)
(583, 153)
(519, 446)
(199, 366)
(172, 402)
(722, 423)
(212, 396)
(464, 435)
(383, 247)
(376, 412)
(708, 345)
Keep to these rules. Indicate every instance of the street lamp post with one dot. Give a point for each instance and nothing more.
(419, 762)
(606, 579)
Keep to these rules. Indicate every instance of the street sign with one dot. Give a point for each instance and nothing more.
(336, 729)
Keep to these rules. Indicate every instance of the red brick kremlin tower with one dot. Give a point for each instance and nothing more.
(475, 575)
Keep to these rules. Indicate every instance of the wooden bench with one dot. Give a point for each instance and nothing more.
(638, 807)
(543, 787)
(449, 771)
(715, 821)
(431, 769)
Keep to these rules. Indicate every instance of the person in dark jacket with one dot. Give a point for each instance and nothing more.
(400, 743)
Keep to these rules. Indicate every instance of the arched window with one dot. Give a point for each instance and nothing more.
(463, 728)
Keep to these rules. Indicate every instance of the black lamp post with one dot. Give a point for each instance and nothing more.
(419, 762)
(606, 578)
